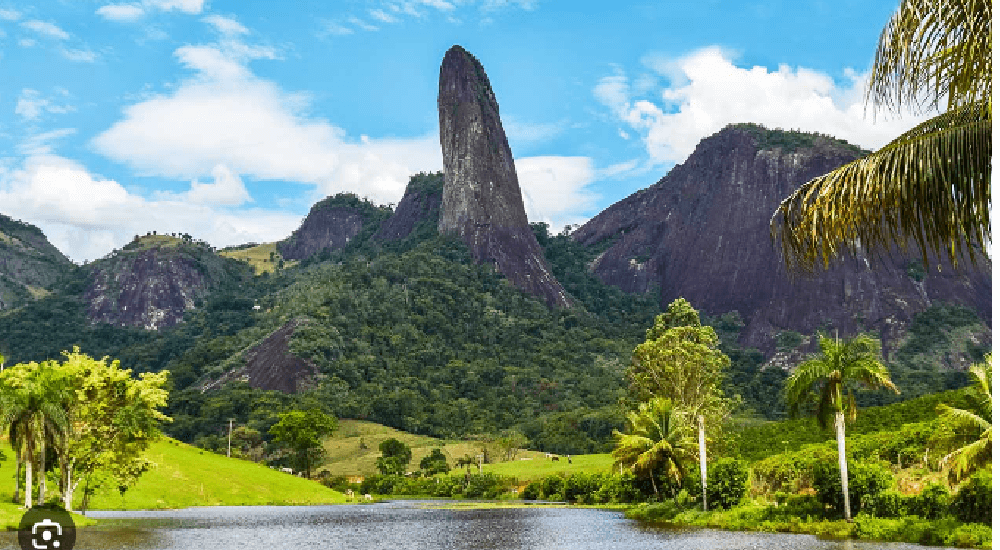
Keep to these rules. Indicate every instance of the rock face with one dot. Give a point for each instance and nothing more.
(331, 223)
(151, 282)
(29, 264)
(417, 212)
(482, 199)
(702, 232)
(270, 366)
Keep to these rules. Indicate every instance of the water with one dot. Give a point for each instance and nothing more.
(405, 525)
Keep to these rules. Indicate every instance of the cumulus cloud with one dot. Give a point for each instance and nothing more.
(31, 105)
(382, 16)
(122, 13)
(46, 29)
(227, 189)
(226, 115)
(84, 55)
(708, 90)
(555, 188)
(9, 15)
(85, 215)
(192, 7)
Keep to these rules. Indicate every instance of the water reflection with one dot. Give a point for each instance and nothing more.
(409, 525)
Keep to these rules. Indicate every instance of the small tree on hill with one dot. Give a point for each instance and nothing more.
(395, 457)
(434, 463)
(301, 432)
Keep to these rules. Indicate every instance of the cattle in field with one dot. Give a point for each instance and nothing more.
(350, 494)
(555, 458)
(368, 497)
(287, 470)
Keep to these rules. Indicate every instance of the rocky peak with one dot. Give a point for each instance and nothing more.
(331, 223)
(482, 198)
(29, 264)
(702, 232)
(417, 212)
(153, 280)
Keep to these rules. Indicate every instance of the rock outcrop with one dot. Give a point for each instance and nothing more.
(417, 212)
(331, 223)
(702, 232)
(482, 198)
(29, 264)
(270, 366)
(151, 282)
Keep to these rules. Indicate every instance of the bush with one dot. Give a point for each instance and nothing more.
(533, 491)
(727, 483)
(581, 488)
(932, 503)
(974, 501)
(618, 489)
(864, 482)
(553, 487)
(889, 504)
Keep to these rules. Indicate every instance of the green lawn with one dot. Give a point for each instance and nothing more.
(537, 466)
(187, 476)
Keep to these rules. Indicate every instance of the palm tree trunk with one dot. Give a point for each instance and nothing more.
(704, 462)
(655, 490)
(27, 483)
(41, 474)
(838, 421)
(17, 478)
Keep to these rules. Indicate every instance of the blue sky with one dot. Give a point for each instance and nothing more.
(228, 119)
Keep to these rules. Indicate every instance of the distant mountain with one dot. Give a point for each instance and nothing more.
(702, 232)
(330, 225)
(154, 280)
(29, 264)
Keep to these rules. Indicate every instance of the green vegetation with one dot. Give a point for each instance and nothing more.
(300, 432)
(264, 258)
(789, 140)
(395, 457)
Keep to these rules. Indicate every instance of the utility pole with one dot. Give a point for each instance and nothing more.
(229, 446)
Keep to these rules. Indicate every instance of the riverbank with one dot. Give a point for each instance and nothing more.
(10, 517)
(777, 519)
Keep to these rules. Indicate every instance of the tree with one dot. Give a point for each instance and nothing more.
(395, 457)
(113, 418)
(658, 440)
(839, 365)
(302, 433)
(434, 463)
(930, 185)
(970, 430)
(30, 410)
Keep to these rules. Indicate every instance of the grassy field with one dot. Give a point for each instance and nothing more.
(186, 476)
(259, 257)
(353, 449)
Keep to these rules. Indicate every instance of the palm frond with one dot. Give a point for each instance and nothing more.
(932, 50)
(962, 420)
(930, 186)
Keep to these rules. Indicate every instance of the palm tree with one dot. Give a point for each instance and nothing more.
(975, 424)
(832, 372)
(930, 185)
(31, 412)
(658, 440)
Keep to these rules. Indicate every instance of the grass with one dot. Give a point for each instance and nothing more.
(10, 517)
(186, 476)
(345, 455)
(259, 257)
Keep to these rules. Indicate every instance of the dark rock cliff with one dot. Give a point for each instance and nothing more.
(331, 223)
(270, 366)
(151, 282)
(417, 212)
(702, 232)
(29, 264)
(482, 198)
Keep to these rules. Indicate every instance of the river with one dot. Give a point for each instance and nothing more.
(405, 525)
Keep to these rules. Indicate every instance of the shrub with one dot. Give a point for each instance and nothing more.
(889, 504)
(618, 489)
(974, 501)
(864, 482)
(932, 503)
(581, 488)
(727, 483)
(552, 487)
(533, 491)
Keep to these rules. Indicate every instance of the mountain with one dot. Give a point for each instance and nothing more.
(269, 365)
(29, 264)
(482, 201)
(702, 232)
(416, 216)
(152, 281)
(330, 225)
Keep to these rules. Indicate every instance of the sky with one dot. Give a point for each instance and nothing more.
(228, 119)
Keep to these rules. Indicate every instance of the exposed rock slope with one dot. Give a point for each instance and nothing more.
(29, 264)
(482, 198)
(702, 232)
(419, 208)
(151, 282)
(270, 366)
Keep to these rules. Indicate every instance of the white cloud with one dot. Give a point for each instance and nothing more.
(228, 189)
(26, 43)
(42, 144)
(336, 29)
(518, 130)
(363, 25)
(192, 7)
(46, 29)
(9, 15)
(226, 25)
(85, 216)
(382, 16)
(122, 13)
(555, 189)
(226, 115)
(31, 105)
(708, 90)
(80, 56)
